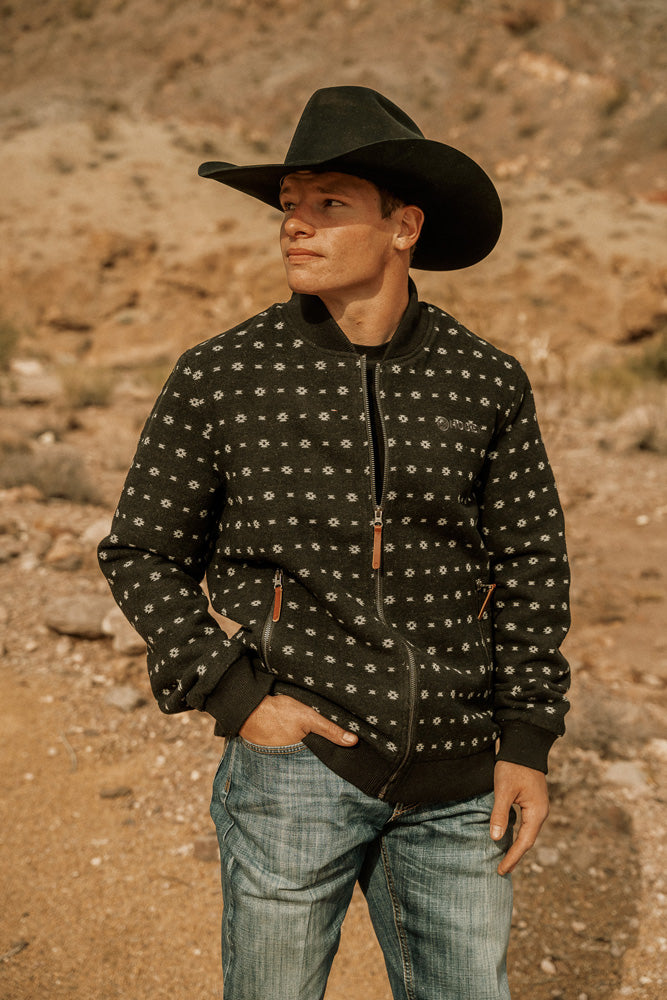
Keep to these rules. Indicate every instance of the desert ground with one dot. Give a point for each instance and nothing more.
(115, 257)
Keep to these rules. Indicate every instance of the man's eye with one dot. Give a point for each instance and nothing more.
(332, 202)
(287, 206)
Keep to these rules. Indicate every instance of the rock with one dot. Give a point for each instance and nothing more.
(124, 697)
(32, 383)
(642, 428)
(65, 554)
(547, 856)
(125, 639)
(117, 792)
(80, 615)
(95, 532)
(206, 848)
(10, 548)
(547, 966)
(656, 750)
(628, 773)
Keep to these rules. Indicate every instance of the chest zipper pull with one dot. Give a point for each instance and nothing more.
(377, 538)
(277, 595)
(490, 587)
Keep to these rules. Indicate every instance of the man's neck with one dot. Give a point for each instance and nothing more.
(373, 321)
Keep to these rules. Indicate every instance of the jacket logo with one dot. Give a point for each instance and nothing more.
(445, 423)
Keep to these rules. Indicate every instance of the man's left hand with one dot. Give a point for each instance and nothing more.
(515, 784)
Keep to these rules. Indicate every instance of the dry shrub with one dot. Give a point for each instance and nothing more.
(57, 471)
(9, 338)
(87, 386)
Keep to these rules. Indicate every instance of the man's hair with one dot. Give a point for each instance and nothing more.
(389, 201)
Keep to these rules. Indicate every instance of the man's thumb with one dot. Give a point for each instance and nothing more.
(499, 820)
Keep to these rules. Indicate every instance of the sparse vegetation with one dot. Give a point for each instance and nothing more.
(57, 471)
(87, 386)
(9, 338)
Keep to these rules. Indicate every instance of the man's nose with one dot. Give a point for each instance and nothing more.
(296, 224)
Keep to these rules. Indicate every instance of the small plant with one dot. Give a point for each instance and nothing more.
(57, 471)
(9, 338)
(652, 364)
(87, 386)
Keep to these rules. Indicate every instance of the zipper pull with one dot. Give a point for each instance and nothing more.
(490, 587)
(377, 538)
(277, 594)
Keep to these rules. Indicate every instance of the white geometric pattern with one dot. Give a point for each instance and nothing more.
(256, 457)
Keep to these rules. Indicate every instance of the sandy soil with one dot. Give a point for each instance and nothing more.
(114, 257)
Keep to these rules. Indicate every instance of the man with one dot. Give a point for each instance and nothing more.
(363, 483)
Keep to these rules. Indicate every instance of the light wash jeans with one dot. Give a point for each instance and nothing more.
(294, 838)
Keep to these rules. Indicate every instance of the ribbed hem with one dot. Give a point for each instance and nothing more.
(447, 780)
(238, 693)
(523, 743)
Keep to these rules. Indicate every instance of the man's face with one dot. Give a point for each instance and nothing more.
(333, 238)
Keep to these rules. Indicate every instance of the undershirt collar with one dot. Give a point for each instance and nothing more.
(309, 310)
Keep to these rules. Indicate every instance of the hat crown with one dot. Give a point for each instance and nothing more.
(338, 120)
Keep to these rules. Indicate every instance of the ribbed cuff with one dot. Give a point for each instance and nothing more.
(522, 743)
(238, 693)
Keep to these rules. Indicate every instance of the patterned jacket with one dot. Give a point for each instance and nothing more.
(428, 623)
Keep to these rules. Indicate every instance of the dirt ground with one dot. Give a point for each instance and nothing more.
(114, 257)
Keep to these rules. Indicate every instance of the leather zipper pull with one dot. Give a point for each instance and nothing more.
(277, 595)
(377, 538)
(490, 587)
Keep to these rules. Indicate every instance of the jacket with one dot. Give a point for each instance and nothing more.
(424, 612)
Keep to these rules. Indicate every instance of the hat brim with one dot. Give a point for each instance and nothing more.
(462, 211)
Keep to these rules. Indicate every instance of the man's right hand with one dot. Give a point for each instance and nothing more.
(281, 721)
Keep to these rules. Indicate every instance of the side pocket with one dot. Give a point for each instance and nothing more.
(221, 785)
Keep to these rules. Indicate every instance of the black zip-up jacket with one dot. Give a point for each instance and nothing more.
(424, 612)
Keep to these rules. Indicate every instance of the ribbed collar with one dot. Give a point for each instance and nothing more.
(313, 320)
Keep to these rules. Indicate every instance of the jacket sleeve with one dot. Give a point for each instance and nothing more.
(523, 529)
(156, 555)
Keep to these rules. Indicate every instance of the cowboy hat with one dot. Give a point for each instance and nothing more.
(355, 130)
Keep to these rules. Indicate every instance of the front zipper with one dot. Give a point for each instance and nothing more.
(378, 525)
(487, 590)
(273, 616)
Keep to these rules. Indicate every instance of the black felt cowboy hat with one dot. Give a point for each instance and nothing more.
(355, 130)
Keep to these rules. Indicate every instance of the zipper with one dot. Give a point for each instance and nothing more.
(378, 525)
(489, 587)
(487, 590)
(274, 616)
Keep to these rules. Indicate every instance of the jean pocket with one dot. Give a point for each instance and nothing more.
(277, 751)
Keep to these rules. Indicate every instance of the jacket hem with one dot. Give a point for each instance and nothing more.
(449, 780)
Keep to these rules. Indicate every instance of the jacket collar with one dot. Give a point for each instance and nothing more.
(313, 320)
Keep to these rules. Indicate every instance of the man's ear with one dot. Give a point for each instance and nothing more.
(411, 220)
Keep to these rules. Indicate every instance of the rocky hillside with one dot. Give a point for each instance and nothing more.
(115, 256)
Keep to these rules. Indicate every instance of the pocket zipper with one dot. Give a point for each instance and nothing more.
(489, 587)
(274, 616)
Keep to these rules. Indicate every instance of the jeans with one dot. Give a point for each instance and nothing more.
(294, 839)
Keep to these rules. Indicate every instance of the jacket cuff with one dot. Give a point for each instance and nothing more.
(523, 743)
(238, 693)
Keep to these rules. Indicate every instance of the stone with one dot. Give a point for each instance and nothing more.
(628, 773)
(547, 856)
(65, 554)
(32, 383)
(125, 698)
(117, 792)
(125, 639)
(79, 615)
(206, 848)
(95, 532)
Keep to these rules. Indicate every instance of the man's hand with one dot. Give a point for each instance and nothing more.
(281, 721)
(527, 788)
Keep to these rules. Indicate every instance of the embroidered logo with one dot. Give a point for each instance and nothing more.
(445, 423)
